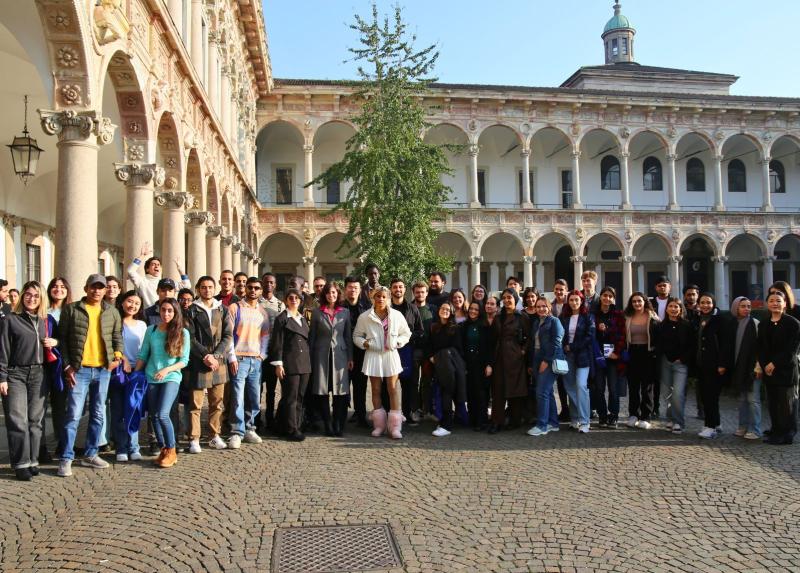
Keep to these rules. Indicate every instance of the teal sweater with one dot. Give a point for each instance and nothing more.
(155, 356)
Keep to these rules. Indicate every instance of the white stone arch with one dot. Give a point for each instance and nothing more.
(710, 240)
(195, 179)
(785, 136)
(270, 121)
(712, 145)
(499, 148)
(593, 128)
(725, 143)
(494, 233)
(553, 250)
(636, 133)
(508, 125)
(282, 252)
(663, 239)
(448, 132)
(538, 241)
(213, 199)
(754, 238)
(169, 150)
(502, 254)
(327, 122)
(280, 146)
(447, 123)
(225, 213)
(606, 235)
(551, 126)
(786, 265)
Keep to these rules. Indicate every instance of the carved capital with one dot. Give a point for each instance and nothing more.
(308, 148)
(310, 260)
(71, 125)
(228, 240)
(628, 259)
(671, 157)
(473, 150)
(197, 218)
(238, 247)
(138, 174)
(175, 200)
(675, 258)
(578, 259)
(476, 260)
(214, 231)
(720, 259)
(528, 260)
(576, 154)
(769, 260)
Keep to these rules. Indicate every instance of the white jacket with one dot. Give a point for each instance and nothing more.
(146, 285)
(369, 329)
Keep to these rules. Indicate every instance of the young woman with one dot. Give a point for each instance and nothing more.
(13, 297)
(134, 328)
(290, 354)
(792, 308)
(164, 352)
(509, 367)
(529, 298)
(445, 352)
(23, 341)
(59, 295)
(548, 334)
(778, 345)
(579, 332)
(331, 358)
(641, 325)
(478, 295)
(674, 348)
(476, 341)
(743, 332)
(610, 335)
(381, 331)
(458, 301)
(490, 308)
(713, 356)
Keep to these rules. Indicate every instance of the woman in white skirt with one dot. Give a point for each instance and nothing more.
(380, 332)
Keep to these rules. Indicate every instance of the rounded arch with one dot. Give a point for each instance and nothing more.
(283, 247)
(550, 128)
(280, 162)
(706, 237)
(195, 179)
(294, 127)
(729, 143)
(505, 126)
(687, 143)
(596, 244)
(225, 214)
(168, 150)
(786, 140)
(455, 244)
(553, 250)
(134, 107)
(643, 240)
(606, 134)
(641, 132)
(550, 240)
(236, 223)
(747, 243)
(332, 123)
(448, 124)
(496, 233)
(212, 199)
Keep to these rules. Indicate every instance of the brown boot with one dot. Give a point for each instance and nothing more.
(170, 458)
(160, 458)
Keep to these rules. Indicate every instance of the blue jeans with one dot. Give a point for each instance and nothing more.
(576, 382)
(245, 395)
(673, 390)
(607, 378)
(94, 382)
(126, 443)
(546, 410)
(160, 398)
(750, 409)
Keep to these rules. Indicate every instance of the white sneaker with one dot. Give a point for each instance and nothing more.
(122, 457)
(135, 457)
(644, 425)
(669, 426)
(217, 443)
(708, 433)
(235, 442)
(751, 436)
(537, 431)
(95, 462)
(65, 468)
(631, 423)
(553, 428)
(194, 447)
(440, 432)
(584, 429)
(740, 432)
(676, 429)
(250, 437)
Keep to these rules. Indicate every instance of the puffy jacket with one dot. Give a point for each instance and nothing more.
(73, 326)
(369, 328)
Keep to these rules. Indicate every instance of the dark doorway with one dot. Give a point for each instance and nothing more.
(564, 268)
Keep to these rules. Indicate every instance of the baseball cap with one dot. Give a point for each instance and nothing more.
(166, 284)
(95, 279)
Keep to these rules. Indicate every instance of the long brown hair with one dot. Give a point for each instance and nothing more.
(173, 343)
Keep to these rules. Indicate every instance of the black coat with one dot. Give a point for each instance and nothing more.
(289, 344)
(714, 350)
(676, 340)
(778, 343)
(743, 364)
(414, 320)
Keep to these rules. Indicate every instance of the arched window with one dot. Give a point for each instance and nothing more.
(777, 177)
(609, 173)
(695, 175)
(737, 177)
(652, 179)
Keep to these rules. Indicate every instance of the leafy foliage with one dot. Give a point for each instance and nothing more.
(395, 191)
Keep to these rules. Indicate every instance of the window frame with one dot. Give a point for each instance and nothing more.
(276, 168)
(702, 171)
(779, 174)
(605, 170)
(654, 184)
(734, 177)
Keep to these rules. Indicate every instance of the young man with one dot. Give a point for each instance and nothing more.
(165, 289)
(274, 306)
(240, 284)
(659, 302)
(250, 341)
(588, 284)
(691, 294)
(90, 340)
(560, 289)
(147, 284)
(185, 298)
(408, 382)
(211, 332)
(422, 367)
(514, 284)
(319, 284)
(5, 307)
(356, 305)
(436, 291)
(373, 277)
(113, 289)
(226, 295)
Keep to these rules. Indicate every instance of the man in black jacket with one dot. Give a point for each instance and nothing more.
(437, 295)
(5, 308)
(408, 381)
(356, 305)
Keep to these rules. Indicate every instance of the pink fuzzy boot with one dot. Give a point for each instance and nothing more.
(396, 420)
(378, 422)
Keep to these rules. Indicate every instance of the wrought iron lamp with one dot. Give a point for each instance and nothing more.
(25, 152)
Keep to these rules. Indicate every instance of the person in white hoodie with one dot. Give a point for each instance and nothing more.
(146, 284)
(210, 334)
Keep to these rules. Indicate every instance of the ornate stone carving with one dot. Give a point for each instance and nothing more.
(580, 233)
(527, 259)
(575, 129)
(308, 234)
(175, 199)
(472, 125)
(310, 260)
(138, 174)
(628, 259)
(527, 235)
(624, 132)
(67, 57)
(171, 183)
(60, 20)
(579, 259)
(71, 125)
(675, 258)
(71, 94)
(672, 133)
(628, 236)
(110, 23)
(720, 259)
(676, 236)
(199, 218)
(722, 234)
(772, 236)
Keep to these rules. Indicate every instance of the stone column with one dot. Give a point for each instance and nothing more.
(641, 282)
(527, 271)
(139, 182)
(212, 87)
(463, 277)
(768, 278)
(671, 182)
(244, 258)
(213, 251)
(448, 277)
(624, 181)
(509, 272)
(197, 36)
(526, 179)
(309, 262)
(540, 275)
(173, 245)
(474, 201)
(255, 264)
(494, 277)
(308, 192)
(754, 273)
(225, 103)
(576, 180)
(627, 279)
(675, 274)
(47, 256)
(175, 8)
(227, 252)
(236, 260)
(475, 271)
(765, 190)
(79, 135)
(19, 261)
(5, 221)
(792, 274)
(720, 281)
(577, 262)
(197, 264)
(719, 204)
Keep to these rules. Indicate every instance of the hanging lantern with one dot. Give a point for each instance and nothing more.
(25, 152)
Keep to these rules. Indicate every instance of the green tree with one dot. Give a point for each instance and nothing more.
(395, 192)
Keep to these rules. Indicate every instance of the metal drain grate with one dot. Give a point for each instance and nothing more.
(334, 549)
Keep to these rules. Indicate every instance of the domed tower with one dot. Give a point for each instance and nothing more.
(618, 38)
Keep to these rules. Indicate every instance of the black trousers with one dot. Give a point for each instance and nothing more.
(477, 392)
(58, 410)
(337, 420)
(710, 387)
(359, 382)
(782, 402)
(451, 374)
(641, 377)
(24, 412)
(293, 390)
(269, 383)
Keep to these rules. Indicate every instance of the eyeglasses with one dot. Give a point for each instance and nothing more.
(31, 295)
(253, 287)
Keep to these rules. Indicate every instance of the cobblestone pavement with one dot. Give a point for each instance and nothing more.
(612, 500)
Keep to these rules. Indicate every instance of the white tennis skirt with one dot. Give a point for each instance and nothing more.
(382, 363)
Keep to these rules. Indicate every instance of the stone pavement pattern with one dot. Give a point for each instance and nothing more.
(613, 500)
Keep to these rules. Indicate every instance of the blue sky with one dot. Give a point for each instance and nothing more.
(541, 42)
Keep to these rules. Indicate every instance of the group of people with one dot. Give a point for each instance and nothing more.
(489, 362)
